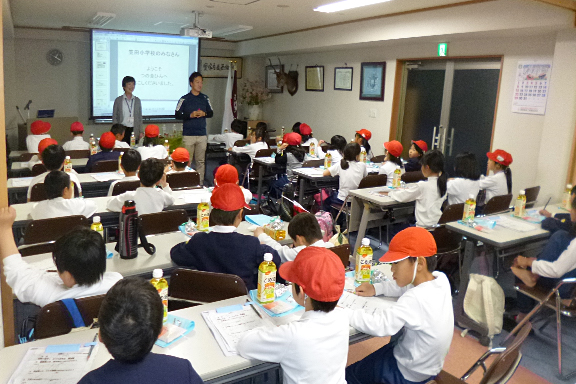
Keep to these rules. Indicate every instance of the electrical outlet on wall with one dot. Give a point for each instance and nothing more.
(372, 113)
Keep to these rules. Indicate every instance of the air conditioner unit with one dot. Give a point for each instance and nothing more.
(102, 18)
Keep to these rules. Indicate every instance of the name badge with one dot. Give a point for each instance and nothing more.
(131, 120)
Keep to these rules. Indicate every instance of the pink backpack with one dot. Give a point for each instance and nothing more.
(326, 224)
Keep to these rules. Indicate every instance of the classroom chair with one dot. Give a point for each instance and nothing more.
(502, 368)
(38, 193)
(412, 177)
(105, 166)
(254, 210)
(46, 230)
(449, 244)
(78, 154)
(120, 149)
(372, 181)
(38, 169)
(54, 318)
(125, 186)
(551, 299)
(253, 169)
(162, 222)
(24, 157)
(531, 196)
(271, 142)
(188, 288)
(312, 163)
(497, 204)
(378, 159)
(343, 252)
(241, 143)
(36, 249)
(183, 180)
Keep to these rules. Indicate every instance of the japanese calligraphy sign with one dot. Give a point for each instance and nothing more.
(215, 66)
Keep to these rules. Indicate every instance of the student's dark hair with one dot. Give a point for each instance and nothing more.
(418, 149)
(54, 184)
(261, 131)
(466, 166)
(305, 138)
(351, 152)
(435, 160)
(296, 127)
(80, 133)
(193, 76)
(151, 141)
(573, 190)
(131, 160)
(431, 262)
(365, 143)
(151, 171)
(508, 174)
(296, 150)
(338, 142)
(82, 253)
(395, 160)
(322, 306)
(130, 319)
(179, 165)
(53, 157)
(118, 129)
(236, 126)
(221, 217)
(128, 79)
(305, 224)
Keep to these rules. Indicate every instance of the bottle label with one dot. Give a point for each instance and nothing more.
(469, 211)
(266, 286)
(519, 208)
(397, 178)
(203, 217)
(163, 292)
(68, 166)
(566, 204)
(312, 150)
(327, 162)
(363, 266)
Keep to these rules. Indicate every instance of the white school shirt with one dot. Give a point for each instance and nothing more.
(76, 144)
(32, 142)
(59, 207)
(247, 195)
(126, 178)
(459, 189)
(156, 151)
(33, 161)
(147, 199)
(251, 149)
(336, 155)
(556, 269)
(121, 144)
(387, 168)
(425, 312)
(40, 179)
(428, 202)
(495, 185)
(289, 253)
(313, 349)
(36, 286)
(228, 138)
(349, 178)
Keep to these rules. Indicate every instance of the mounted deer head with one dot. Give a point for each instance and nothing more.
(290, 79)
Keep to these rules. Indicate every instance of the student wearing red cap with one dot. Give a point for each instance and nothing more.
(39, 130)
(306, 133)
(466, 181)
(180, 161)
(227, 174)
(423, 310)
(222, 249)
(362, 137)
(500, 181)
(393, 150)
(151, 147)
(107, 141)
(53, 157)
(119, 132)
(291, 155)
(130, 163)
(77, 143)
(417, 150)
(314, 348)
(154, 193)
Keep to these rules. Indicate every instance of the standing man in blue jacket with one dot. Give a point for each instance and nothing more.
(194, 108)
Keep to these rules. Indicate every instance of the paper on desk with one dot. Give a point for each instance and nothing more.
(515, 225)
(39, 367)
(367, 304)
(21, 182)
(194, 196)
(314, 172)
(107, 176)
(44, 264)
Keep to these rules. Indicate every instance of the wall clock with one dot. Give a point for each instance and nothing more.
(55, 57)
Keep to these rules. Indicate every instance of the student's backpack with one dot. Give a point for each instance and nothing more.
(484, 303)
(326, 224)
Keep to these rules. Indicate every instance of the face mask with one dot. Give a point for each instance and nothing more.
(415, 270)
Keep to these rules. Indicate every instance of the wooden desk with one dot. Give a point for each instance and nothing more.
(19, 169)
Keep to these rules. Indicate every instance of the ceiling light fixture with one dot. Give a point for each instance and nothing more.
(232, 30)
(346, 4)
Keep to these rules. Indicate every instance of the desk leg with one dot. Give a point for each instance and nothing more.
(302, 189)
(259, 190)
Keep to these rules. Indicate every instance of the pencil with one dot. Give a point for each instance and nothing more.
(255, 310)
(547, 203)
(92, 347)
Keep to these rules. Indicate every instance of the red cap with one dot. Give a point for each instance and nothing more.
(226, 174)
(500, 156)
(318, 271)
(421, 144)
(411, 242)
(45, 143)
(181, 155)
(365, 134)
(76, 127)
(394, 147)
(305, 129)
(152, 130)
(39, 127)
(107, 140)
(292, 138)
(228, 197)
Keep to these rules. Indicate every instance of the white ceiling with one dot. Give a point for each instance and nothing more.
(168, 16)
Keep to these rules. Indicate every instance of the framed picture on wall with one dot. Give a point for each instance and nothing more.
(270, 82)
(315, 78)
(343, 78)
(216, 66)
(372, 81)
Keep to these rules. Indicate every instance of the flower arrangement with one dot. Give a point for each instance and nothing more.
(254, 93)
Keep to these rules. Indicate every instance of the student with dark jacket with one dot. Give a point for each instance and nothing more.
(223, 250)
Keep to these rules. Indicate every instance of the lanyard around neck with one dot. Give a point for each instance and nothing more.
(130, 105)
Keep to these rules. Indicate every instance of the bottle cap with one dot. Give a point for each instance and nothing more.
(204, 200)
(522, 192)
(397, 167)
(157, 273)
(569, 186)
(166, 140)
(96, 219)
(365, 241)
(471, 196)
(267, 257)
(132, 133)
(121, 153)
(67, 157)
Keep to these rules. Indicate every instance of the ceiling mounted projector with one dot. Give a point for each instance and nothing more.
(195, 30)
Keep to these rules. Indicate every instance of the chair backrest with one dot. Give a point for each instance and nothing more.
(452, 212)
(378, 159)
(183, 179)
(24, 156)
(205, 287)
(78, 154)
(271, 142)
(373, 181)
(120, 149)
(343, 252)
(38, 192)
(312, 163)
(36, 249)
(531, 196)
(446, 240)
(105, 166)
(412, 177)
(162, 222)
(241, 143)
(38, 169)
(255, 210)
(41, 231)
(124, 186)
(54, 319)
(498, 204)
(265, 152)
